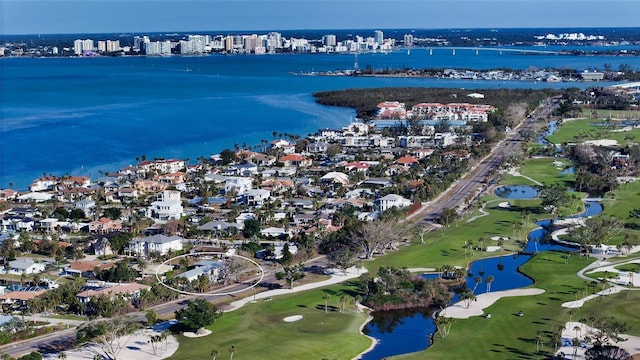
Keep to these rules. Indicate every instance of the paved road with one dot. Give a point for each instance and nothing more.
(65, 339)
(465, 188)
(477, 178)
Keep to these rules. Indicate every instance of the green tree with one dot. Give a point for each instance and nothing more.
(152, 317)
(112, 213)
(228, 156)
(553, 196)
(290, 274)
(251, 228)
(198, 313)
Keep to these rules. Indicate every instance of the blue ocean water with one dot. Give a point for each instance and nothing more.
(92, 115)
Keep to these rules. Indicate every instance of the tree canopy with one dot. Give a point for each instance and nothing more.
(198, 313)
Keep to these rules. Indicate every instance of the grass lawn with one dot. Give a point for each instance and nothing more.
(624, 306)
(505, 335)
(545, 171)
(631, 267)
(258, 331)
(615, 114)
(577, 131)
(446, 247)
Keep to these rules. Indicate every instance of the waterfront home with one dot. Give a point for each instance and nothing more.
(43, 183)
(8, 194)
(159, 244)
(75, 181)
(36, 197)
(25, 266)
(167, 206)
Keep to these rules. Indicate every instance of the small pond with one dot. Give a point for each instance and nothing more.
(404, 331)
(516, 192)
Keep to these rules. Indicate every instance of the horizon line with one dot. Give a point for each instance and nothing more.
(325, 29)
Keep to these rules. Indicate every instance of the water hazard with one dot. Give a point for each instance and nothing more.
(401, 332)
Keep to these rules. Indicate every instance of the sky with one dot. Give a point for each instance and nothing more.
(101, 16)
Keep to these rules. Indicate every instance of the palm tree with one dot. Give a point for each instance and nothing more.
(326, 303)
(477, 280)
(572, 312)
(343, 301)
(232, 350)
(214, 353)
(539, 341)
(488, 281)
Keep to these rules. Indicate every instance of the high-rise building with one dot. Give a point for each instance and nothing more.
(329, 40)
(80, 46)
(274, 41)
(250, 43)
(378, 35)
(156, 47)
(408, 40)
(113, 45)
(228, 43)
(138, 42)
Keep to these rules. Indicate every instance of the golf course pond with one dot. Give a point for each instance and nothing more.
(404, 331)
(516, 192)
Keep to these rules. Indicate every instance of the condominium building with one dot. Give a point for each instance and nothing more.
(80, 46)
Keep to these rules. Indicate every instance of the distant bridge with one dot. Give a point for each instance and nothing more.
(500, 50)
(631, 87)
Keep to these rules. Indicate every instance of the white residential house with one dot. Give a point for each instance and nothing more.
(25, 266)
(85, 205)
(256, 197)
(238, 185)
(210, 268)
(160, 244)
(391, 200)
(167, 206)
(335, 177)
(240, 219)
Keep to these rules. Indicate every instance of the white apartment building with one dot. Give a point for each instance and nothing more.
(82, 45)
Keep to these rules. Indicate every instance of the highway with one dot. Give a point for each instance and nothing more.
(471, 184)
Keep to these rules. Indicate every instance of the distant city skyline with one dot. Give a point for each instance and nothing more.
(112, 16)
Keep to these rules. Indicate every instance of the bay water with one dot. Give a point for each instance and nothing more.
(86, 116)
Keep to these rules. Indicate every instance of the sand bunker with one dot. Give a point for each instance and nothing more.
(292, 318)
(200, 333)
